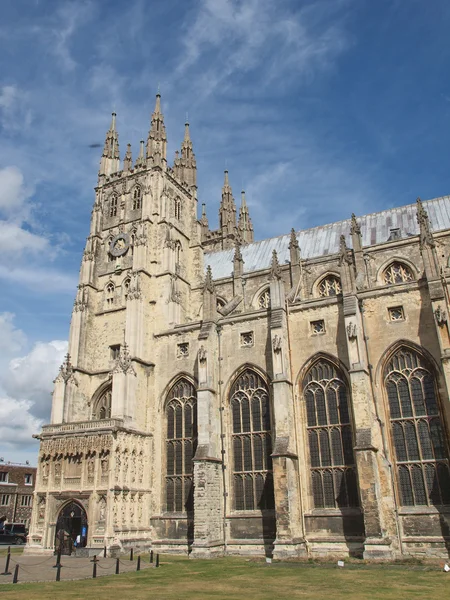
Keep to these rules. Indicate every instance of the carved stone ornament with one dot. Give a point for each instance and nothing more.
(202, 354)
(441, 316)
(134, 289)
(345, 254)
(352, 331)
(276, 343)
(141, 235)
(81, 300)
(123, 363)
(66, 372)
(275, 269)
(119, 244)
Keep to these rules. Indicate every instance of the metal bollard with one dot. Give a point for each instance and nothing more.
(131, 554)
(16, 574)
(58, 560)
(8, 558)
(94, 568)
(117, 566)
(58, 573)
(151, 556)
(104, 552)
(157, 561)
(138, 566)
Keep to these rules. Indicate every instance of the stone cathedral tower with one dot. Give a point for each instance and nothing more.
(288, 396)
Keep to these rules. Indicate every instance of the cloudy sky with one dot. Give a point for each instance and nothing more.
(317, 107)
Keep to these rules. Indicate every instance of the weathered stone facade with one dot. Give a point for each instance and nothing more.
(288, 396)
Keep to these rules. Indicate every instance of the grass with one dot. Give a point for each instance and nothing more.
(229, 578)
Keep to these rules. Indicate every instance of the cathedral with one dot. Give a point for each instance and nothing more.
(287, 397)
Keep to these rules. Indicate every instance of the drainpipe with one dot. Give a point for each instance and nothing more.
(222, 435)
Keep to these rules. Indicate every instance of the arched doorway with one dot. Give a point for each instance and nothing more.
(72, 522)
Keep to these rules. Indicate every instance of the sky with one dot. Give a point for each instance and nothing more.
(318, 108)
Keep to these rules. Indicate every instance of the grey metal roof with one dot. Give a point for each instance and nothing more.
(323, 240)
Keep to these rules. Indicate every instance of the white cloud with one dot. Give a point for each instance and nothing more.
(26, 383)
(13, 192)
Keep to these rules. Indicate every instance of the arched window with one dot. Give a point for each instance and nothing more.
(126, 287)
(397, 272)
(102, 407)
(109, 294)
(137, 194)
(252, 443)
(264, 299)
(181, 442)
(330, 437)
(113, 205)
(330, 286)
(418, 433)
(177, 208)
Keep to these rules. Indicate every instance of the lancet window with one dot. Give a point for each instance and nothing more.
(177, 208)
(330, 286)
(330, 437)
(252, 443)
(418, 432)
(109, 294)
(397, 272)
(137, 194)
(113, 206)
(181, 442)
(102, 407)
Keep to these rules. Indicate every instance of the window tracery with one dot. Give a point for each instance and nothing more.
(264, 299)
(417, 429)
(330, 437)
(109, 294)
(330, 286)
(397, 272)
(102, 408)
(181, 443)
(177, 208)
(252, 443)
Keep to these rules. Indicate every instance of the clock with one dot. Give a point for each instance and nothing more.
(119, 244)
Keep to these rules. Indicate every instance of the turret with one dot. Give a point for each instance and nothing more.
(157, 140)
(187, 170)
(140, 161)
(128, 160)
(110, 161)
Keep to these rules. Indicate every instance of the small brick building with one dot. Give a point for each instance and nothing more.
(16, 492)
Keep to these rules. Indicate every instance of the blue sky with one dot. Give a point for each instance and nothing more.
(318, 109)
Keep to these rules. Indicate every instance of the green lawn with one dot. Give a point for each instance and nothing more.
(227, 578)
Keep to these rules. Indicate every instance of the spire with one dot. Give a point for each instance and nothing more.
(294, 248)
(110, 161)
(204, 219)
(187, 165)
(140, 161)
(245, 223)
(227, 210)
(157, 140)
(128, 160)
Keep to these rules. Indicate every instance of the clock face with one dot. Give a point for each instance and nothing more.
(119, 245)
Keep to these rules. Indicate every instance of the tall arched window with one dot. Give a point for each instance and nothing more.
(137, 193)
(252, 443)
(126, 288)
(113, 205)
(330, 437)
(330, 286)
(181, 442)
(102, 406)
(418, 433)
(397, 272)
(109, 294)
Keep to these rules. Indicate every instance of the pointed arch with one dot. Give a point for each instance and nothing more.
(327, 285)
(113, 204)
(137, 197)
(329, 429)
(180, 407)
(102, 402)
(396, 270)
(251, 426)
(125, 288)
(418, 434)
(109, 294)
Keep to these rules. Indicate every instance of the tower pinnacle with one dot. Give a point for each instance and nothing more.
(186, 165)
(157, 140)
(227, 210)
(245, 226)
(110, 161)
